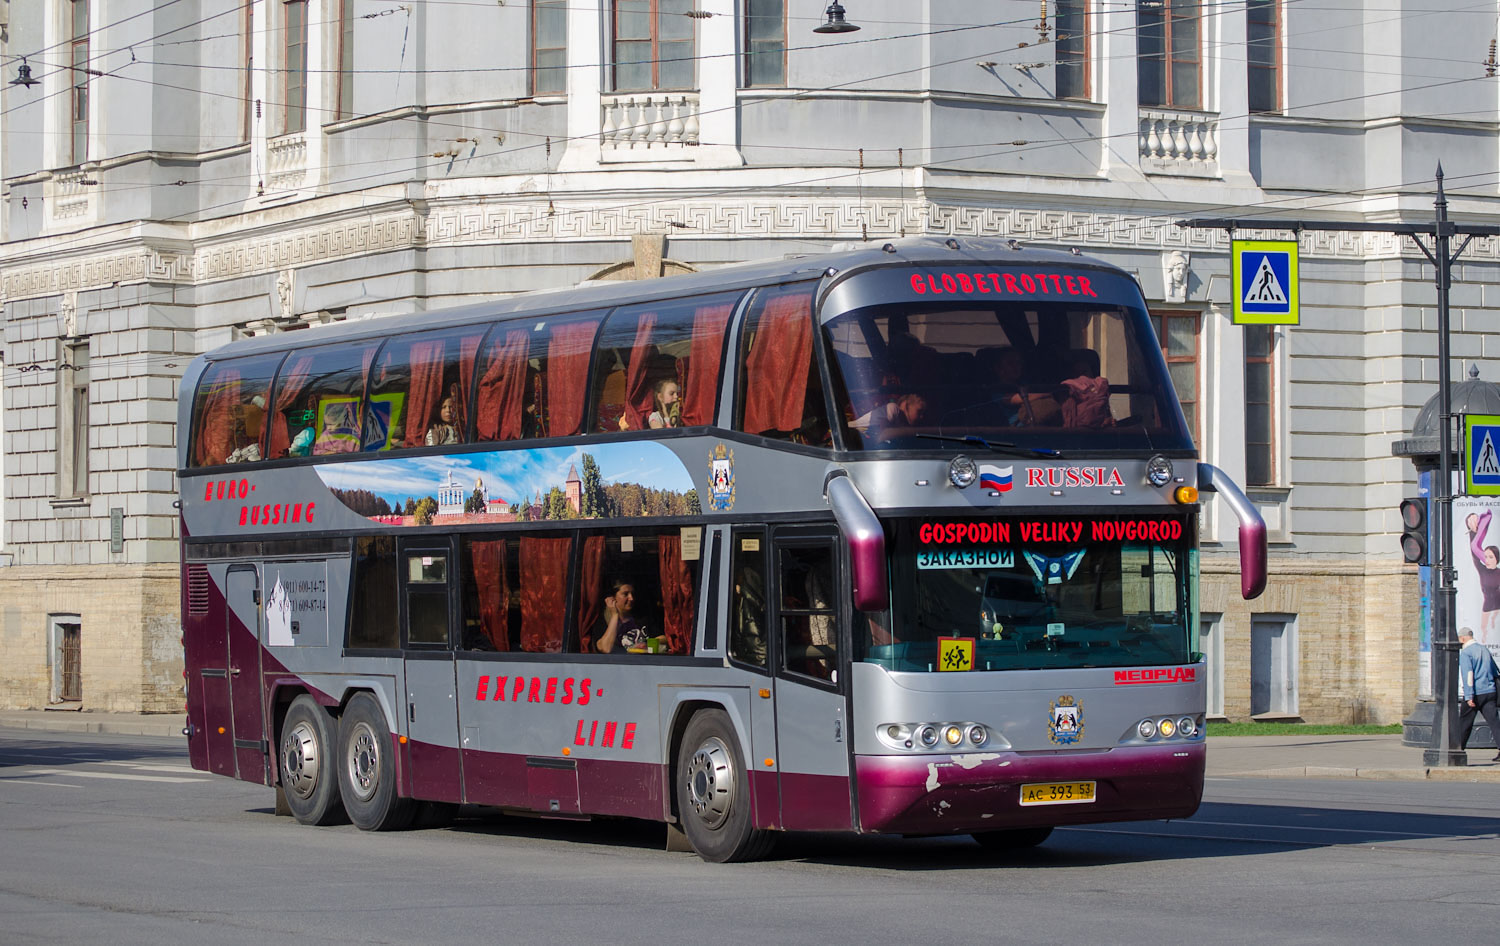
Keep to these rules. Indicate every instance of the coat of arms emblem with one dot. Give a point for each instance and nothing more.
(721, 478)
(1065, 722)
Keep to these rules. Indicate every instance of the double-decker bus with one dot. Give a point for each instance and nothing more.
(901, 539)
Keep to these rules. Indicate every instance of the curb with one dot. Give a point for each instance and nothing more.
(168, 725)
(1456, 774)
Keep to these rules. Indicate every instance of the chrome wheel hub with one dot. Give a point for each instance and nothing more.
(364, 762)
(301, 759)
(710, 782)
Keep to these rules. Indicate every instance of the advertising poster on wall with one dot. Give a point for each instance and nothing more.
(1476, 558)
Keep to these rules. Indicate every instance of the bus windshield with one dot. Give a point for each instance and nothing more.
(1037, 592)
(1054, 375)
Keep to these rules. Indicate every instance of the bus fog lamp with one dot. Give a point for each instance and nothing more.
(1186, 728)
(1147, 728)
(1158, 471)
(962, 471)
(953, 735)
(928, 736)
(1167, 728)
(978, 735)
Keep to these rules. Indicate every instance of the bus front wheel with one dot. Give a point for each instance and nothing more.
(307, 767)
(713, 792)
(1015, 839)
(367, 773)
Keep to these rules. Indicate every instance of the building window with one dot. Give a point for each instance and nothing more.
(1178, 334)
(1168, 58)
(79, 105)
(1072, 49)
(549, 47)
(1260, 413)
(294, 67)
(1211, 639)
(765, 42)
(1263, 54)
(346, 59)
(73, 422)
(653, 45)
(1273, 665)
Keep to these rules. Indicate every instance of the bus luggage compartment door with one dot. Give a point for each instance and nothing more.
(248, 717)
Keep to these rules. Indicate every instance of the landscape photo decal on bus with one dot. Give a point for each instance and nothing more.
(625, 480)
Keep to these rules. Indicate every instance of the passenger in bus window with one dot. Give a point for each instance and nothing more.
(1022, 406)
(445, 431)
(249, 421)
(622, 630)
(1085, 402)
(668, 411)
(907, 410)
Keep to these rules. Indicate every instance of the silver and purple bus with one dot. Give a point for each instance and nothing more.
(901, 539)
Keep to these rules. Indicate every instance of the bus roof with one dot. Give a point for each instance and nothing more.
(838, 265)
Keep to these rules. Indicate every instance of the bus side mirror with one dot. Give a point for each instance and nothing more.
(1252, 528)
(866, 540)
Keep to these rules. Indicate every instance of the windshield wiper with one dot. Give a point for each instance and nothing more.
(996, 446)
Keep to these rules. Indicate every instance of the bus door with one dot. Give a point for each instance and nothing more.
(809, 647)
(242, 597)
(433, 770)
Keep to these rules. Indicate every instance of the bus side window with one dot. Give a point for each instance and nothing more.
(373, 617)
(533, 378)
(644, 583)
(809, 636)
(492, 612)
(419, 391)
(747, 603)
(780, 394)
(317, 402)
(229, 411)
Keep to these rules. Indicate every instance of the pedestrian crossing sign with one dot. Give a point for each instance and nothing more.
(1482, 454)
(1264, 282)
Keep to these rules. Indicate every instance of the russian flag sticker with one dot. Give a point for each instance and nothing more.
(998, 478)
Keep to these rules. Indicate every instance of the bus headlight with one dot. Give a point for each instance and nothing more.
(928, 736)
(1167, 728)
(1186, 728)
(962, 471)
(1147, 728)
(1158, 471)
(953, 735)
(978, 735)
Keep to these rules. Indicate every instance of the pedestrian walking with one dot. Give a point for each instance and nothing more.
(1476, 688)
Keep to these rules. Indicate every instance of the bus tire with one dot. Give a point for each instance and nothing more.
(1015, 839)
(713, 792)
(305, 757)
(367, 772)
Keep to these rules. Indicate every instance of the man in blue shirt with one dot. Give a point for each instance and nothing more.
(1476, 688)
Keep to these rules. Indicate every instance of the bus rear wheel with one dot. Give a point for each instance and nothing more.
(1016, 839)
(305, 756)
(367, 773)
(713, 792)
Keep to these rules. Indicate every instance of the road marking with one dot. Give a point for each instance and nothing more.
(117, 776)
(22, 780)
(152, 768)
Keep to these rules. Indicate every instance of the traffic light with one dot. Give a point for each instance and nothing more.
(1414, 530)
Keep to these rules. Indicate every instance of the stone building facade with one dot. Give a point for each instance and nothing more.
(186, 173)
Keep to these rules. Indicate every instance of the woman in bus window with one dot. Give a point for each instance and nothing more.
(445, 431)
(623, 632)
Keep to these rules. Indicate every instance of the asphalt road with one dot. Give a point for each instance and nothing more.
(114, 839)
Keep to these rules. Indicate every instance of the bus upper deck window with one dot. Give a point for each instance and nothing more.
(419, 390)
(660, 363)
(533, 377)
(229, 411)
(317, 401)
(781, 396)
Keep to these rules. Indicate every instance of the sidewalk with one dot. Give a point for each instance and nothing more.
(1372, 757)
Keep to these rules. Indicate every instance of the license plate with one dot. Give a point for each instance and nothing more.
(1057, 793)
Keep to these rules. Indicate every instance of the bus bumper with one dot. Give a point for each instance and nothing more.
(958, 794)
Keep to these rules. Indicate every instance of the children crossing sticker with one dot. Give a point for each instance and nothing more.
(1265, 282)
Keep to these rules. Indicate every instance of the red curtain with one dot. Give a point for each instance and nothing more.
(676, 595)
(503, 387)
(777, 366)
(426, 392)
(289, 390)
(544, 597)
(216, 439)
(700, 398)
(494, 591)
(468, 351)
(567, 376)
(638, 394)
(590, 591)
